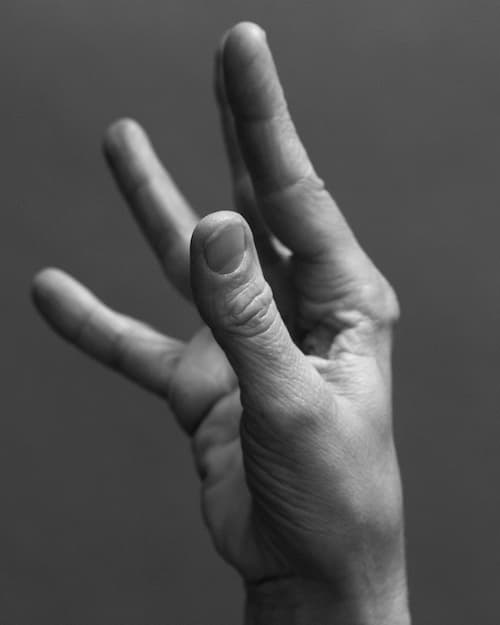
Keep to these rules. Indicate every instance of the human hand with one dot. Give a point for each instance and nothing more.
(286, 392)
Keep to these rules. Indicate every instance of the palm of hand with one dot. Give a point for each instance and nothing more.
(241, 537)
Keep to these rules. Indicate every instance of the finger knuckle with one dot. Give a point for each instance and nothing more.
(313, 184)
(308, 186)
(389, 303)
(249, 310)
(380, 301)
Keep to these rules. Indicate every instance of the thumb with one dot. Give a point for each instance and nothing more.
(237, 303)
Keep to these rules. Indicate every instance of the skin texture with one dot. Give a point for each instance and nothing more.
(286, 391)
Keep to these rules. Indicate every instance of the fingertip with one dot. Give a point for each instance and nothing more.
(242, 41)
(213, 223)
(244, 32)
(51, 293)
(238, 42)
(129, 154)
(61, 300)
(44, 282)
(251, 82)
(120, 135)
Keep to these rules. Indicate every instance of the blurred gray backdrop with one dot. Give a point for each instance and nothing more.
(398, 102)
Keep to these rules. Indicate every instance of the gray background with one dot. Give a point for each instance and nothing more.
(398, 102)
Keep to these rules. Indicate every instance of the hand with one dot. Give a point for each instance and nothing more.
(286, 392)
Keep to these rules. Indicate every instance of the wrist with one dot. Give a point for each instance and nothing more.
(294, 601)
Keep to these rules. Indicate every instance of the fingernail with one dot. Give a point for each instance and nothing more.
(224, 250)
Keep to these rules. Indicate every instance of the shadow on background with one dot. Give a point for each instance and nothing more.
(398, 102)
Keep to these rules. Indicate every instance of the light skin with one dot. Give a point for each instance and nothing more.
(286, 391)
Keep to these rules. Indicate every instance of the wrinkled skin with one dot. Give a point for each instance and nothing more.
(286, 391)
